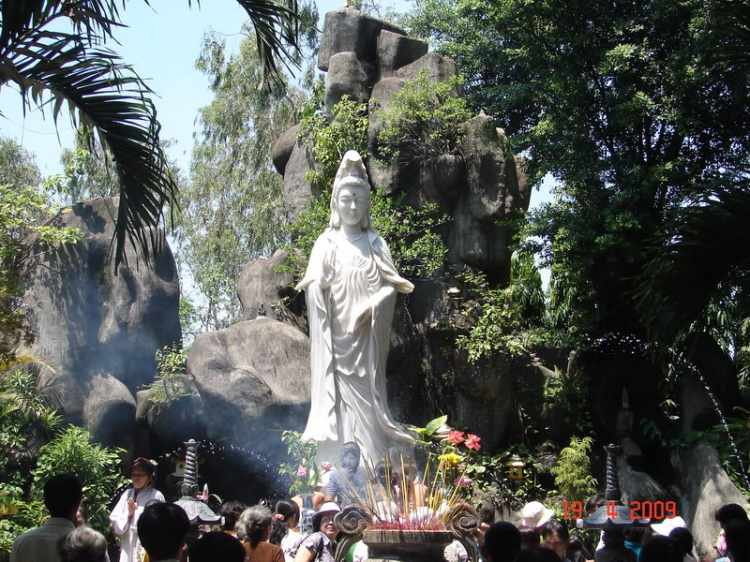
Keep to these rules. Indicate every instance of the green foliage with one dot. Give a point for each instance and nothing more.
(504, 319)
(301, 454)
(169, 385)
(573, 471)
(25, 420)
(424, 120)
(417, 250)
(97, 467)
(569, 391)
(232, 210)
(23, 212)
(330, 140)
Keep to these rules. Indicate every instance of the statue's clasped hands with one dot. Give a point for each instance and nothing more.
(329, 269)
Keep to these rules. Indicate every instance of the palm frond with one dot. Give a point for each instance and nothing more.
(106, 96)
(709, 255)
(277, 26)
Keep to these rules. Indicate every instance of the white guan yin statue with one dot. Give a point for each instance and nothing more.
(351, 285)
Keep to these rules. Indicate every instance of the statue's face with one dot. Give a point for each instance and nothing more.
(352, 204)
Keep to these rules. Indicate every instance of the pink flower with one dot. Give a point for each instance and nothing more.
(472, 442)
(325, 465)
(301, 471)
(456, 437)
(462, 481)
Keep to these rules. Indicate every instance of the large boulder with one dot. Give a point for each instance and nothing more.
(100, 327)
(261, 286)
(703, 487)
(346, 77)
(282, 150)
(253, 379)
(299, 191)
(396, 50)
(348, 29)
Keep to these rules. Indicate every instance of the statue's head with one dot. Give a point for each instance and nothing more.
(350, 200)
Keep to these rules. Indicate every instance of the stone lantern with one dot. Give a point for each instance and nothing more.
(198, 512)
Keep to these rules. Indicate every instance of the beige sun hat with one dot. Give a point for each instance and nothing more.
(535, 514)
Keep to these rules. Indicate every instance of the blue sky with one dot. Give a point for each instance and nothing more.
(161, 42)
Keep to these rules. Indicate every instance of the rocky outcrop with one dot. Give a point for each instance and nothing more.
(252, 377)
(99, 328)
(702, 488)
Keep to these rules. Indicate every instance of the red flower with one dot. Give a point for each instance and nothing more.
(455, 437)
(472, 442)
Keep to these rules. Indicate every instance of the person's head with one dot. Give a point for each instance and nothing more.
(575, 551)
(289, 512)
(62, 496)
(254, 525)
(593, 503)
(278, 531)
(535, 515)
(727, 513)
(684, 537)
(536, 555)
(350, 199)
(502, 542)
(529, 537)
(635, 534)
(738, 539)
(555, 537)
(322, 521)
(82, 515)
(217, 547)
(162, 528)
(661, 549)
(83, 545)
(142, 473)
(350, 455)
(231, 511)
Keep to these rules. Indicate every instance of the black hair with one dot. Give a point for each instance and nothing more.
(661, 549)
(215, 546)
(288, 509)
(557, 527)
(231, 511)
(576, 550)
(162, 528)
(278, 531)
(502, 541)
(529, 537)
(593, 502)
(537, 555)
(738, 540)
(684, 537)
(62, 495)
(635, 534)
(730, 511)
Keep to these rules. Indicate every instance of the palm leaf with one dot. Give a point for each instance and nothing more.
(107, 96)
(708, 257)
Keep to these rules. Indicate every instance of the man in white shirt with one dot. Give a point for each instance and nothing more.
(62, 496)
(162, 528)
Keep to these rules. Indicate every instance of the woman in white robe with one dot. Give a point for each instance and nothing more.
(351, 285)
(124, 516)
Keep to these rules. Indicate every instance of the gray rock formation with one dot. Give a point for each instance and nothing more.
(99, 330)
(703, 487)
(252, 378)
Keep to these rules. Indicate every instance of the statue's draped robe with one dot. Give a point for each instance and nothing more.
(348, 398)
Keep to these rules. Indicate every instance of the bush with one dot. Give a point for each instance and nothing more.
(573, 471)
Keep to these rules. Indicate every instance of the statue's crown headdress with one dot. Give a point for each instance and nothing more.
(351, 171)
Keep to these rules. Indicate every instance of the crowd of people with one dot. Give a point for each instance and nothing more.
(153, 530)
